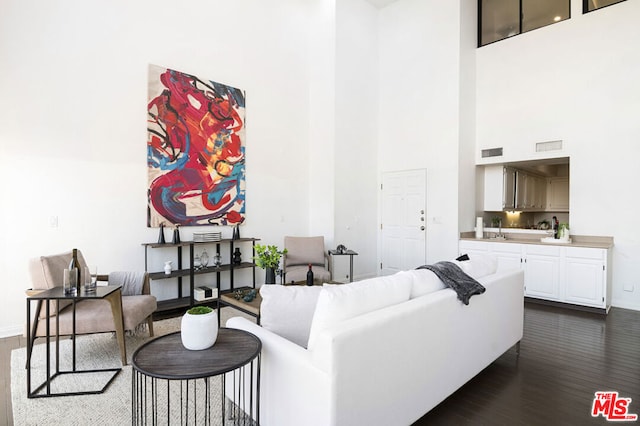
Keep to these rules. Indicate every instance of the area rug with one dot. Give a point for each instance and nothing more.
(113, 407)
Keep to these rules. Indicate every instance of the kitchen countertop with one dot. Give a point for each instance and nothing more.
(533, 236)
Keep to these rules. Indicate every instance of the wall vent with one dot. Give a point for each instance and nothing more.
(549, 146)
(492, 152)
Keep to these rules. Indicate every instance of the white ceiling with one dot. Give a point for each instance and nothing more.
(381, 3)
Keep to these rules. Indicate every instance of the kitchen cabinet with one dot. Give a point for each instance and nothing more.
(530, 192)
(509, 255)
(506, 188)
(558, 194)
(499, 188)
(586, 276)
(572, 275)
(542, 271)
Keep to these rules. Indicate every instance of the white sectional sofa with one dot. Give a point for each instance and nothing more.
(387, 366)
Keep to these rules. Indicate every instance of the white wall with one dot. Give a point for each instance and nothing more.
(576, 81)
(73, 132)
(419, 107)
(467, 188)
(356, 136)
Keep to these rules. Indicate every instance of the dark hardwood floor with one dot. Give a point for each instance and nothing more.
(565, 357)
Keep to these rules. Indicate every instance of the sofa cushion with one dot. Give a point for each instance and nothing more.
(337, 303)
(424, 282)
(478, 265)
(288, 310)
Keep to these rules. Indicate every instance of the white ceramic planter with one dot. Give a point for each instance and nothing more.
(199, 331)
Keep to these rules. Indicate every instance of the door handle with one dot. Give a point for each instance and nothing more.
(422, 228)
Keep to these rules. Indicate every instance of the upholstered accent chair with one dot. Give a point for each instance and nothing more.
(92, 316)
(302, 251)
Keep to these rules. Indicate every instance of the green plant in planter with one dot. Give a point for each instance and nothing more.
(267, 256)
(200, 310)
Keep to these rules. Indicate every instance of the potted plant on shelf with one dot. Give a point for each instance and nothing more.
(268, 258)
(199, 328)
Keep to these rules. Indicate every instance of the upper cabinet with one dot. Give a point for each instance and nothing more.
(499, 188)
(507, 188)
(558, 194)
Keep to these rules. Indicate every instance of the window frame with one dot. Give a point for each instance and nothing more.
(520, 22)
(585, 6)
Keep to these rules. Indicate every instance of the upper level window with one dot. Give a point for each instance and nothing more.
(500, 19)
(590, 5)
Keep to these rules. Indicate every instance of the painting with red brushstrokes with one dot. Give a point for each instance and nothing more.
(195, 150)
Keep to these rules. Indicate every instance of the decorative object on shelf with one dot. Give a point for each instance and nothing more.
(236, 232)
(187, 113)
(247, 294)
(207, 237)
(217, 260)
(161, 234)
(176, 235)
(237, 256)
(204, 258)
(250, 296)
(310, 276)
(268, 258)
(197, 264)
(199, 328)
(167, 267)
(341, 248)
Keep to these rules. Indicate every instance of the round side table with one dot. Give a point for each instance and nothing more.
(171, 384)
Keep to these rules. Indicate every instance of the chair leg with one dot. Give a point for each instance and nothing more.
(150, 325)
(115, 299)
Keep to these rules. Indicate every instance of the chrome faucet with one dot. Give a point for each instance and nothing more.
(499, 235)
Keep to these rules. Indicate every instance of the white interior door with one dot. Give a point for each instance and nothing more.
(403, 226)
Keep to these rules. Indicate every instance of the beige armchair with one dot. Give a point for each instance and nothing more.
(92, 316)
(302, 251)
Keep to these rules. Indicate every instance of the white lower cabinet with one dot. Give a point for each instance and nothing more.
(586, 276)
(542, 271)
(509, 255)
(576, 275)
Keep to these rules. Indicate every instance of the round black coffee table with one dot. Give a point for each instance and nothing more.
(171, 384)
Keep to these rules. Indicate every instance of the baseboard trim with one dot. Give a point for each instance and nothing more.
(567, 305)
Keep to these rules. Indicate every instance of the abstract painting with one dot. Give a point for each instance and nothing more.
(195, 150)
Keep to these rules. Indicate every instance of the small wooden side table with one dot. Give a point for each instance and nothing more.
(163, 365)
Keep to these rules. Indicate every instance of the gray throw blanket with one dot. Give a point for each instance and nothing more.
(131, 282)
(455, 278)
